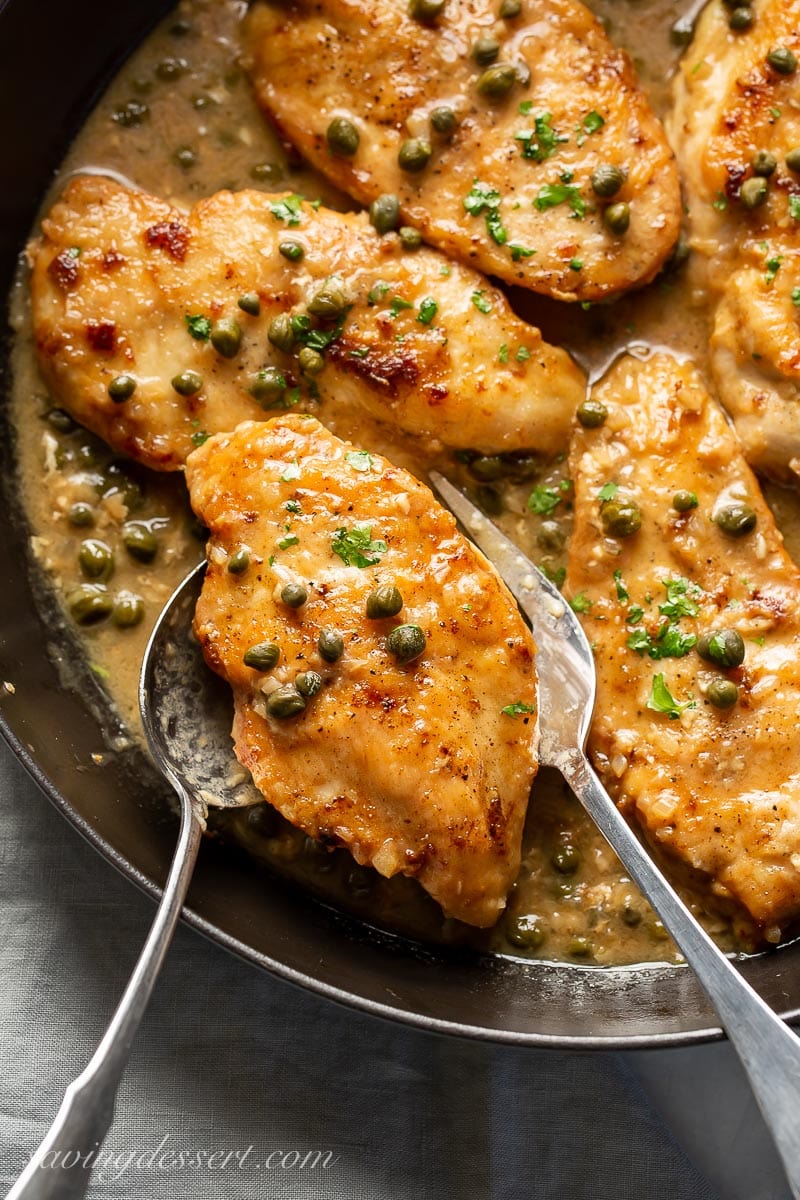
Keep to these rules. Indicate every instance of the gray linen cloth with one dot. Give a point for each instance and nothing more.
(297, 1097)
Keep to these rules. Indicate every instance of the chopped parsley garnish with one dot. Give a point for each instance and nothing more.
(398, 305)
(482, 198)
(481, 301)
(356, 547)
(772, 262)
(662, 701)
(669, 642)
(518, 252)
(291, 472)
(200, 437)
(199, 327)
(518, 709)
(635, 614)
(544, 500)
(288, 209)
(581, 603)
(359, 460)
(377, 292)
(622, 591)
(680, 600)
(502, 354)
(427, 310)
(720, 203)
(607, 492)
(523, 354)
(592, 122)
(557, 577)
(553, 194)
(291, 539)
(796, 297)
(541, 142)
(794, 207)
(293, 506)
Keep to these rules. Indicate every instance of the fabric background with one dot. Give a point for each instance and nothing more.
(230, 1058)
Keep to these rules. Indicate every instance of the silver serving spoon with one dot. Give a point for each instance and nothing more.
(186, 715)
(768, 1049)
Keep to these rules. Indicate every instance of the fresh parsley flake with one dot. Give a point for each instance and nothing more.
(592, 122)
(200, 437)
(557, 577)
(607, 492)
(541, 142)
(288, 209)
(359, 460)
(669, 642)
(544, 500)
(377, 292)
(427, 310)
(481, 301)
(356, 547)
(581, 603)
(796, 297)
(622, 591)
(518, 252)
(199, 327)
(398, 305)
(523, 354)
(502, 354)
(720, 202)
(291, 539)
(794, 207)
(635, 614)
(293, 506)
(291, 472)
(482, 198)
(661, 700)
(518, 709)
(553, 194)
(680, 600)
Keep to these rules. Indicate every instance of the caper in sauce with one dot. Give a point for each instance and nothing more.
(96, 559)
(497, 81)
(308, 683)
(226, 337)
(187, 383)
(385, 601)
(592, 413)
(330, 644)
(281, 332)
(121, 388)
(722, 693)
(414, 155)
(621, 517)
(754, 191)
(736, 520)
(406, 642)
(262, 656)
(285, 701)
(342, 137)
(607, 179)
(294, 595)
(128, 610)
(617, 217)
(268, 386)
(384, 213)
(89, 603)
(249, 303)
(239, 561)
(140, 542)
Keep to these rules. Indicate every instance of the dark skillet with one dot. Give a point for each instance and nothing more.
(54, 59)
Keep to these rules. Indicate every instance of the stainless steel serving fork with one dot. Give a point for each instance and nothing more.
(768, 1049)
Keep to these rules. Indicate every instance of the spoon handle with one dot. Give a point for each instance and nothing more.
(61, 1167)
(768, 1049)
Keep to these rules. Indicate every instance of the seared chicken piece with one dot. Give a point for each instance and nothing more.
(736, 115)
(129, 293)
(407, 759)
(500, 125)
(717, 786)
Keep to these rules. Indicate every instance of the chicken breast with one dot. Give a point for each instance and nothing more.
(418, 750)
(717, 786)
(506, 183)
(124, 287)
(736, 115)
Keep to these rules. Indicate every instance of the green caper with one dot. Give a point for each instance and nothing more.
(487, 467)
(281, 332)
(140, 542)
(80, 514)
(330, 301)
(579, 947)
(121, 388)
(443, 120)
(62, 421)
(406, 642)
(96, 559)
(722, 693)
(485, 51)
(268, 386)
(89, 603)
(526, 932)
(754, 192)
(736, 519)
(116, 481)
(592, 413)
(724, 647)
(226, 337)
(607, 179)
(782, 60)
(310, 361)
(239, 561)
(383, 602)
(489, 500)
(342, 137)
(684, 501)
(551, 536)
(171, 68)
(410, 238)
(285, 701)
(620, 517)
(764, 163)
(250, 304)
(384, 213)
(617, 217)
(631, 916)
(330, 644)
(425, 10)
(308, 683)
(510, 9)
(741, 18)
(497, 81)
(294, 595)
(793, 160)
(291, 250)
(188, 383)
(566, 859)
(185, 158)
(414, 155)
(262, 656)
(131, 114)
(128, 610)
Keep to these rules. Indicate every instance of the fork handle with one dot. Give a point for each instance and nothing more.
(768, 1049)
(61, 1166)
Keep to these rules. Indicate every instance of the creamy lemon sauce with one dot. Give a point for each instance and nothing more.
(180, 121)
